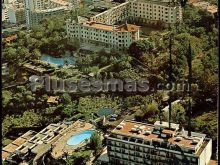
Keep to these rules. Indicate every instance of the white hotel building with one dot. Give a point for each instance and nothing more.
(111, 36)
(145, 11)
(135, 143)
(149, 11)
(102, 27)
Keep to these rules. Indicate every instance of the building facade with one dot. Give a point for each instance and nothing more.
(144, 11)
(16, 14)
(134, 143)
(141, 11)
(148, 11)
(114, 15)
(113, 36)
(36, 10)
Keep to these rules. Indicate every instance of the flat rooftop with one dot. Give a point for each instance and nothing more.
(156, 132)
(212, 9)
(60, 8)
(12, 147)
(120, 28)
(61, 2)
(213, 162)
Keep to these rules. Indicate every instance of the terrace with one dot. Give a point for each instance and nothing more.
(54, 137)
(60, 146)
(12, 147)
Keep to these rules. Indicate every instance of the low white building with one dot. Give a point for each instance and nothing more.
(114, 36)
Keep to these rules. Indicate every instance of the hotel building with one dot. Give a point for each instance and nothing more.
(113, 36)
(36, 10)
(102, 27)
(32, 147)
(143, 11)
(114, 15)
(148, 11)
(135, 143)
(36, 143)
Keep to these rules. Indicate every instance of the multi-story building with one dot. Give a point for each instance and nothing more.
(141, 11)
(114, 15)
(113, 36)
(144, 11)
(148, 11)
(135, 143)
(36, 10)
(36, 143)
(16, 13)
(5, 14)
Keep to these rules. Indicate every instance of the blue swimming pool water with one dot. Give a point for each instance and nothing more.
(70, 60)
(80, 137)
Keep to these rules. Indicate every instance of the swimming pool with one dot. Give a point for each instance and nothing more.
(80, 137)
(58, 61)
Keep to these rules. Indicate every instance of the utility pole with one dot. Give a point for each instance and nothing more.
(170, 80)
(190, 89)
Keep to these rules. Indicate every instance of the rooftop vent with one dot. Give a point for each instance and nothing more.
(119, 127)
(197, 138)
(178, 138)
(123, 124)
(134, 129)
(147, 132)
(139, 131)
(142, 127)
(195, 141)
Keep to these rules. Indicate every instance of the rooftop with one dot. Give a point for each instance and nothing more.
(212, 162)
(12, 147)
(17, 7)
(61, 2)
(120, 28)
(212, 9)
(10, 38)
(53, 99)
(60, 8)
(206, 6)
(160, 132)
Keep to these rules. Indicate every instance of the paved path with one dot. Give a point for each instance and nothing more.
(166, 109)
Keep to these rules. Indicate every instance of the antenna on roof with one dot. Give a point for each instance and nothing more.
(170, 81)
(190, 89)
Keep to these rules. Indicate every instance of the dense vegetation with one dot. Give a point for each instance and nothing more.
(147, 59)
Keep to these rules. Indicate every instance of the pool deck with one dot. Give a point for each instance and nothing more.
(60, 146)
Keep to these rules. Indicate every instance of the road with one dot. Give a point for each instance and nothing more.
(166, 109)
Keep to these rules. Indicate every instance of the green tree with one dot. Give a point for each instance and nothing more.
(147, 111)
(178, 114)
(138, 48)
(66, 98)
(79, 158)
(7, 96)
(9, 54)
(96, 142)
(205, 71)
